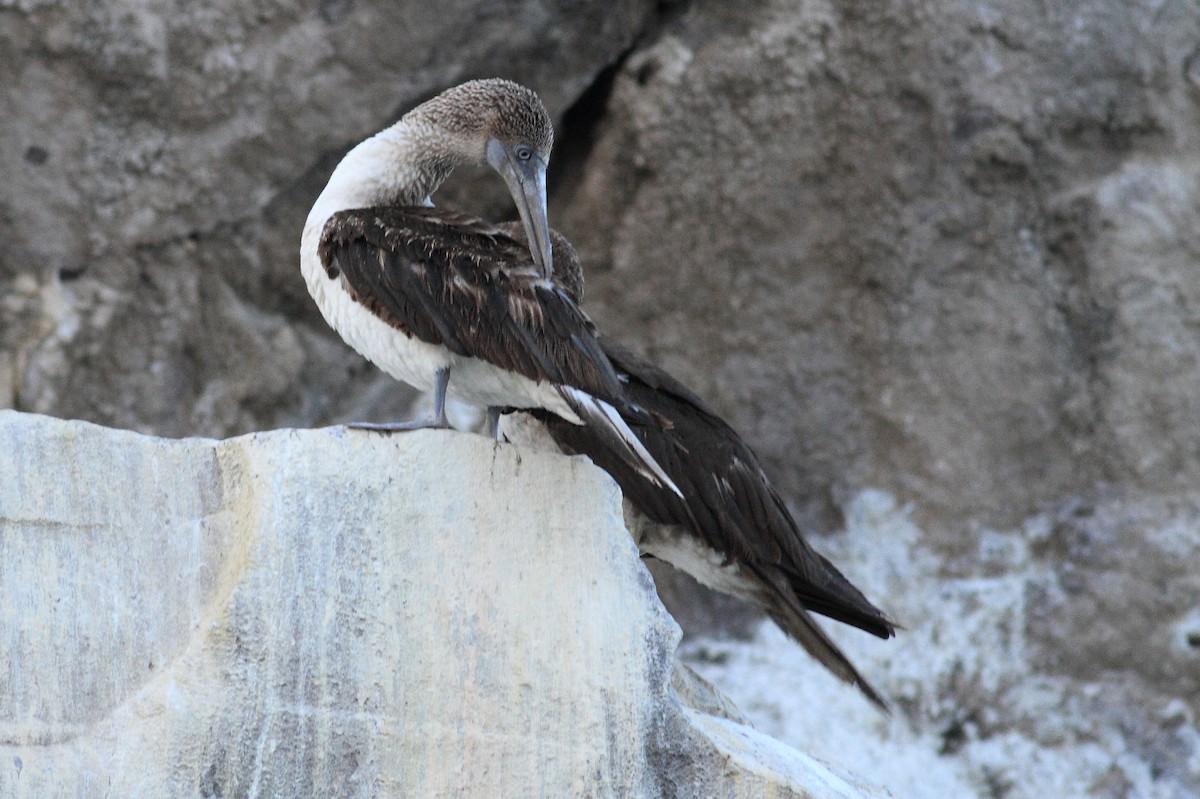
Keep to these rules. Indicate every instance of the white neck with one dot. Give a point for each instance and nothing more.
(397, 166)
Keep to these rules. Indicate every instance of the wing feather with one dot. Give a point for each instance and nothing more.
(728, 500)
(448, 279)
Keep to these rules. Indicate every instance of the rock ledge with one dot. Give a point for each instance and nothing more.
(329, 612)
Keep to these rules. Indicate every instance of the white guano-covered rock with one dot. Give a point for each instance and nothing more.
(339, 613)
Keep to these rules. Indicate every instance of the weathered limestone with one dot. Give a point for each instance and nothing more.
(334, 613)
(1022, 676)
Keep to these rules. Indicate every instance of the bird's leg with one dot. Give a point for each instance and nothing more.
(493, 422)
(437, 421)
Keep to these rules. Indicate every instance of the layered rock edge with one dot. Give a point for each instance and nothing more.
(333, 612)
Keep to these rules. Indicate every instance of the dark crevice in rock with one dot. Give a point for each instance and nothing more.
(334, 12)
(577, 131)
(36, 155)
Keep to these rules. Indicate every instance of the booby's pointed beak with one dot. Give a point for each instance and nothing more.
(526, 182)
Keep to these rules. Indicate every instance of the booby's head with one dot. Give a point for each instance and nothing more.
(504, 125)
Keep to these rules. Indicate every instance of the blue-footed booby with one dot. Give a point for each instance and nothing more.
(728, 527)
(439, 300)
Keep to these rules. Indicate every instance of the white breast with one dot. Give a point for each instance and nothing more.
(404, 358)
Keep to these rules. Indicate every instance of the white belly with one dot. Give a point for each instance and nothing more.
(686, 552)
(415, 362)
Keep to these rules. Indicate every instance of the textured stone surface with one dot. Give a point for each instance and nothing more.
(949, 250)
(160, 158)
(333, 613)
(945, 248)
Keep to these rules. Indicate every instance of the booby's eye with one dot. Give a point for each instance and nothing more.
(523, 152)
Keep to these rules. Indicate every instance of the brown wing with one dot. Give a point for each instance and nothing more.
(727, 499)
(449, 279)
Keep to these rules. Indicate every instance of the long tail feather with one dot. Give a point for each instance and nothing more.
(802, 628)
(785, 609)
(606, 421)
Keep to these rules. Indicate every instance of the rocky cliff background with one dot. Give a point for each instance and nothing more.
(942, 252)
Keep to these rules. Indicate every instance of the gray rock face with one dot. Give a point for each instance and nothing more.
(948, 252)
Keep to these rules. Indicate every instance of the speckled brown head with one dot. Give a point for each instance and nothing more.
(479, 110)
(504, 125)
